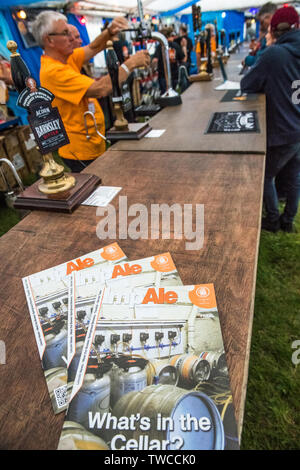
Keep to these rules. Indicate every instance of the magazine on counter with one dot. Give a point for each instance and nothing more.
(158, 271)
(152, 374)
(47, 295)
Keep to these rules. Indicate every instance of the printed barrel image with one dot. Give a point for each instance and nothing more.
(75, 437)
(80, 336)
(218, 389)
(159, 372)
(191, 369)
(216, 360)
(129, 374)
(179, 419)
(56, 348)
(94, 395)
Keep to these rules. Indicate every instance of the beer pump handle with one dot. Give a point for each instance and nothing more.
(121, 123)
(217, 34)
(19, 70)
(113, 70)
(209, 67)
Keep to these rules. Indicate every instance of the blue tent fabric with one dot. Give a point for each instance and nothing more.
(6, 35)
(73, 19)
(31, 56)
(17, 3)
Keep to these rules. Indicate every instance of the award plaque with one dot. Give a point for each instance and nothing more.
(56, 190)
(122, 130)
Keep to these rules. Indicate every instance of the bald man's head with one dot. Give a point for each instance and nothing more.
(75, 36)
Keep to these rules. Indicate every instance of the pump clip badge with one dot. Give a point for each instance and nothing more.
(45, 121)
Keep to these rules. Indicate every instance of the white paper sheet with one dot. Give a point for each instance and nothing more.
(155, 133)
(228, 85)
(102, 196)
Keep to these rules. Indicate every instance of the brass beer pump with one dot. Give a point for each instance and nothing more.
(121, 129)
(121, 124)
(54, 178)
(55, 190)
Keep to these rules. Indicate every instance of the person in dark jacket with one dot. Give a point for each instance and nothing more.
(276, 73)
(176, 56)
(186, 44)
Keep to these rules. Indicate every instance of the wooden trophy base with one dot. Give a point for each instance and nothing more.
(135, 132)
(201, 77)
(65, 201)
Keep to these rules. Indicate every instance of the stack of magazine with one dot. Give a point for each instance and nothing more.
(134, 358)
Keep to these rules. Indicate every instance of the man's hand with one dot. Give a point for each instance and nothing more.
(103, 86)
(99, 44)
(117, 25)
(140, 59)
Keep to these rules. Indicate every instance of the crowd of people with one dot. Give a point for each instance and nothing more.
(63, 72)
(273, 69)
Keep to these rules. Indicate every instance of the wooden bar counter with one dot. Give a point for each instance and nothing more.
(186, 124)
(230, 188)
(224, 173)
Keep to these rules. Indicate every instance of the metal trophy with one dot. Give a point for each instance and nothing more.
(56, 190)
(122, 130)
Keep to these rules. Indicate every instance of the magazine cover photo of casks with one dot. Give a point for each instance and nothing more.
(47, 295)
(158, 271)
(152, 374)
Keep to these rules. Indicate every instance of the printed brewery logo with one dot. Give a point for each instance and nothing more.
(162, 260)
(141, 296)
(33, 95)
(111, 250)
(45, 129)
(126, 270)
(42, 112)
(160, 297)
(203, 292)
(79, 264)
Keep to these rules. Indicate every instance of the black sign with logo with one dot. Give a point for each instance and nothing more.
(233, 122)
(45, 121)
(47, 127)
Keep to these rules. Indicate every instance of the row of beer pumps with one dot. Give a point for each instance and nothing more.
(54, 180)
(204, 37)
(122, 129)
(143, 33)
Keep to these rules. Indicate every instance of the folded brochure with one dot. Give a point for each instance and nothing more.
(152, 374)
(47, 295)
(158, 271)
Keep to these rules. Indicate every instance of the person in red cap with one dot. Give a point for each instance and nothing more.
(276, 74)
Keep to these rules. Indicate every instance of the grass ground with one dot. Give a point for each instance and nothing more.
(272, 413)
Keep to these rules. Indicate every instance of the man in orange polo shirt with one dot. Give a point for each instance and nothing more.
(74, 92)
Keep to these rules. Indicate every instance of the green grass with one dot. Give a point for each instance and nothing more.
(8, 218)
(272, 412)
